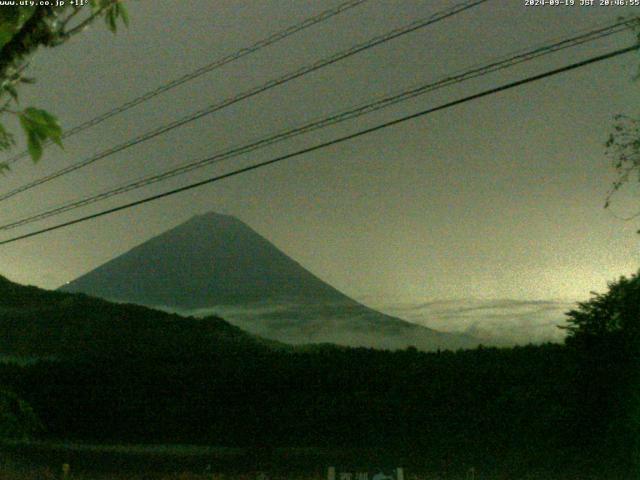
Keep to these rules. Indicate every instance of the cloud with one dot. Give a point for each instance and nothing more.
(506, 321)
(493, 321)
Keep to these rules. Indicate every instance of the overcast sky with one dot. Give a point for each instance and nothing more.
(497, 198)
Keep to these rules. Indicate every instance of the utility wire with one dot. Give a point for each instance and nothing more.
(375, 41)
(335, 141)
(220, 62)
(474, 72)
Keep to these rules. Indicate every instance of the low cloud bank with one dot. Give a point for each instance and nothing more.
(505, 321)
(494, 321)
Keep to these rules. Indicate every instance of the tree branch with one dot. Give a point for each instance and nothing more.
(85, 23)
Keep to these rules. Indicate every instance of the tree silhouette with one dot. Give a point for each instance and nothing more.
(623, 144)
(605, 334)
(24, 29)
(614, 313)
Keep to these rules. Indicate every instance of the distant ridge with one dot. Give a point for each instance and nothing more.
(37, 323)
(215, 263)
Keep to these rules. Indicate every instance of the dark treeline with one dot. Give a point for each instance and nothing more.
(127, 374)
(512, 410)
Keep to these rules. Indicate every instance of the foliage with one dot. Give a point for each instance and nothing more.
(129, 374)
(616, 312)
(604, 333)
(623, 144)
(39, 126)
(23, 29)
(623, 148)
(17, 419)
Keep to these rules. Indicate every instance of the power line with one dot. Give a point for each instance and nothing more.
(335, 141)
(354, 112)
(220, 62)
(375, 41)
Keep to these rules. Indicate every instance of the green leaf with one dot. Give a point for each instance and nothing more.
(55, 130)
(13, 92)
(123, 14)
(4, 168)
(11, 21)
(34, 145)
(6, 139)
(110, 18)
(39, 126)
(9, 18)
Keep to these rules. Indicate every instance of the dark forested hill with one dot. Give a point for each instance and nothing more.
(41, 323)
(510, 413)
(118, 373)
(216, 263)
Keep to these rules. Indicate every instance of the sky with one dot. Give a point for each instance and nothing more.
(495, 203)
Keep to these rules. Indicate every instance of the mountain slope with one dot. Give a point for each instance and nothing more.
(40, 323)
(216, 264)
(208, 260)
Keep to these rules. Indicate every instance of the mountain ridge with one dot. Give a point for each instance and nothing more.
(38, 323)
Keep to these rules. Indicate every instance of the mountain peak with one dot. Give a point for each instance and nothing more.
(215, 262)
(208, 260)
(213, 217)
(211, 220)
